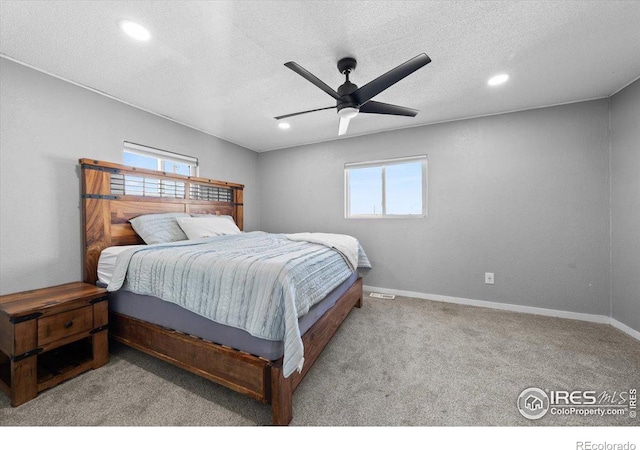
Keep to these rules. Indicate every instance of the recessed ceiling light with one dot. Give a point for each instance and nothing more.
(498, 79)
(284, 126)
(135, 30)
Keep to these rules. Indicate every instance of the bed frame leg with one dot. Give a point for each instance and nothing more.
(359, 302)
(281, 397)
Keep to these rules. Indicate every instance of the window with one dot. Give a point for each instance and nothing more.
(154, 159)
(389, 188)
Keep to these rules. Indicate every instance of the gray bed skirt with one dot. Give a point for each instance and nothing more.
(169, 315)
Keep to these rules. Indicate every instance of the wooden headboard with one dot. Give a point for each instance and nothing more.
(113, 193)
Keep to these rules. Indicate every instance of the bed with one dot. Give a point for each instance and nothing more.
(112, 194)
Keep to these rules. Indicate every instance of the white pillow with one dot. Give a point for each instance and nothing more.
(201, 227)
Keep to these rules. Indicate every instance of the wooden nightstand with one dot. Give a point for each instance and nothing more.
(50, 335)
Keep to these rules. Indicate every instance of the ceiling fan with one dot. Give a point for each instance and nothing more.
(351, 100)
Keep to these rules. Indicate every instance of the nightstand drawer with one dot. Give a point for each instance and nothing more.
(59, 326)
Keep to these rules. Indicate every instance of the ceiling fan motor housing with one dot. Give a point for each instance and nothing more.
(347, 102)
(346, 66)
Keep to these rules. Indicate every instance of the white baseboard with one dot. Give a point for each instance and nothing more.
(596, 318)
(624, 328)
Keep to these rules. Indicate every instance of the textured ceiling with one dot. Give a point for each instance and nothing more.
(218, 66)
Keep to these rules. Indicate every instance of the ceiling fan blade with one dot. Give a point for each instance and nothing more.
(344, 124)
(297, 68)
(372, 107)
(303, 112)
(373, 88)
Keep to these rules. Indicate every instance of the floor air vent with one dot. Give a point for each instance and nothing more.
(385, 296)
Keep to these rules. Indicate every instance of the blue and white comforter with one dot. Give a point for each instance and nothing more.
(259, 282)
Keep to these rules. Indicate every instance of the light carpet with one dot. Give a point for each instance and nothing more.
(394, 362)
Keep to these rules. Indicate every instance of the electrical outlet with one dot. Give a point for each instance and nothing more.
(488, 278)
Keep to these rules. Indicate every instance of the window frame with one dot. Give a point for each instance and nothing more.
(162, 156)
(383, 163)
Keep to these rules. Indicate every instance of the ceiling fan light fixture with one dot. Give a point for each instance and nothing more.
(348, 112)
(135, 30)
(498, 79)
(284, 125)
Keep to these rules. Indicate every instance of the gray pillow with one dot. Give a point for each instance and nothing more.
(159, 228)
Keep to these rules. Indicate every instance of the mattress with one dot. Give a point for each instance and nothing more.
(169, 315)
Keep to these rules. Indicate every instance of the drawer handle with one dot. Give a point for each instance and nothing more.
(68, 324)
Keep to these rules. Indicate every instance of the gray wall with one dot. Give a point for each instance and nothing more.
(46, 125)
(625, 206)
(524, 195)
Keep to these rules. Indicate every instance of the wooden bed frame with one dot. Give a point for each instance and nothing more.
(111, 195)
